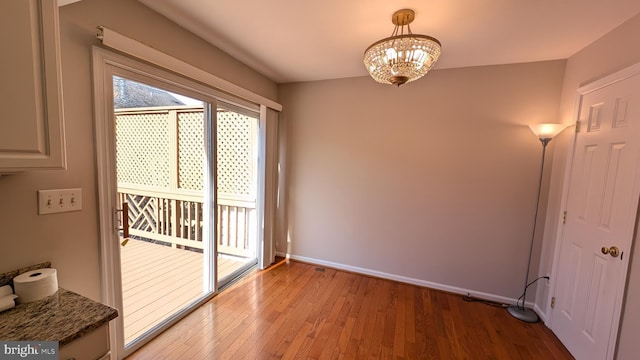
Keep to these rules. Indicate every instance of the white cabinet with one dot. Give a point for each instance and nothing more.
(31, 121)
(92, 346)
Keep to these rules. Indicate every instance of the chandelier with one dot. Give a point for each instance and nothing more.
(404, 56)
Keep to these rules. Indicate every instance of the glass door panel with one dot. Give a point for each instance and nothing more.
(162, 149)
(237, 167)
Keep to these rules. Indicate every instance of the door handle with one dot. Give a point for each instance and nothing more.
(613, 251)
(125, 223)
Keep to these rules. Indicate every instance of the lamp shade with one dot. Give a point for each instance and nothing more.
(546, 131)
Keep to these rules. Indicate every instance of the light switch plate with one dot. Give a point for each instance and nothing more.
(59, 200)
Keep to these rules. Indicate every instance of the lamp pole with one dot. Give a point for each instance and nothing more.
(517, 311)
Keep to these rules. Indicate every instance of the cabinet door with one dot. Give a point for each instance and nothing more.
(93, 345)
(31, 122)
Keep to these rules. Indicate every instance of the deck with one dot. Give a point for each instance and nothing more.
(157, 280)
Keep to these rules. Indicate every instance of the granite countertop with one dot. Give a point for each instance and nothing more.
(63, 317)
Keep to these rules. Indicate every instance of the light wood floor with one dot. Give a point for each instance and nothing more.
(159, 280)
(296, 310)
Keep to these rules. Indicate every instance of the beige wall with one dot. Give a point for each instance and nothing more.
(434, 181)
(615, 51)
(70, 240)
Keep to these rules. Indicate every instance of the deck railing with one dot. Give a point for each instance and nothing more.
(177, 219)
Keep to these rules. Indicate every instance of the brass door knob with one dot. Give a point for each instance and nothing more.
(613, 251)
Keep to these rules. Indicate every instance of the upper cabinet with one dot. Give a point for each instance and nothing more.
(31, 121)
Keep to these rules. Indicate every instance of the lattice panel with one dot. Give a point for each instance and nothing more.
(191, 150)
(235, 153)
(142, 149)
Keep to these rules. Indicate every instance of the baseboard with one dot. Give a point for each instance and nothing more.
(413, 281)
(541, 314)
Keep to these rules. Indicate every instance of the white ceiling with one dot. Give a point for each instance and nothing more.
(297, 40)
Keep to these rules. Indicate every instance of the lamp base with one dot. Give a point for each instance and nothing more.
(526, 315)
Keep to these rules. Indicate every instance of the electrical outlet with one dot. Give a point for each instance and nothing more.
(59, 200)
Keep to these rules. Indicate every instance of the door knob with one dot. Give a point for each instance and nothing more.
(613, 251)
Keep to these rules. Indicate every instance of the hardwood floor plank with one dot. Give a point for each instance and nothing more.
(332, 308)
(278, 301)
(294, 318)
(296, 310)
(342, 308)
(366, 321)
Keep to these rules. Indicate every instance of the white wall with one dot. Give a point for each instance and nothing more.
(434, 181)
(70, 240)
(613, 52)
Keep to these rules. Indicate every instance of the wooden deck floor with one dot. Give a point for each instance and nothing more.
(157, 280)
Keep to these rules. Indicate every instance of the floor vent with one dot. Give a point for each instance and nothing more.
(321, 269)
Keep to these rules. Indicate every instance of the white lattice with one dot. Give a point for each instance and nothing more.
(142, 149)
(235, 153)
(191, 150)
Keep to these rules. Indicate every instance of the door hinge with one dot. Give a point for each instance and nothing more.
(578, 126)
(553, 302)
(564, 217)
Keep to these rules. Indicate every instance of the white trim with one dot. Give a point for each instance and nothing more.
(618, 76)
(541, 314)
(409, 280)
(560, 228)
(139, 50)
(110, 265)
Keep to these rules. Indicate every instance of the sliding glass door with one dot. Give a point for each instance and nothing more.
(178, 167)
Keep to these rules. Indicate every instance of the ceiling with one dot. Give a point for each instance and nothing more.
(292, 41)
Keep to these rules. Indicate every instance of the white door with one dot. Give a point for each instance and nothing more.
(600, 214)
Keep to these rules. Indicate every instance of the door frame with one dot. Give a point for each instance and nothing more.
(582, 91)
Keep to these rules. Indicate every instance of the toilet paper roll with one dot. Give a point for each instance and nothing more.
(7, 302)
(5, 290)
(35, 285)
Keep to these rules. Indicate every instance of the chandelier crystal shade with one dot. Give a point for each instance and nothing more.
(402, 57)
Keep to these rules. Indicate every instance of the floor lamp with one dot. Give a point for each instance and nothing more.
(544, 132)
